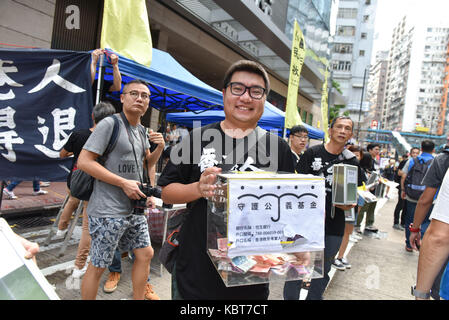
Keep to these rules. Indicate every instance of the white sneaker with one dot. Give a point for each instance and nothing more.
(353, 239)
(40, 192)
(61, 233)
(44, 184)
(9, 194)
(356, 236)
(78, 273)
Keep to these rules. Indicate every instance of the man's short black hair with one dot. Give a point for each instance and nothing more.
(137, 81)
(298, 128)
(427, 146)
(341, 118)
(371, 146)
(248, 66)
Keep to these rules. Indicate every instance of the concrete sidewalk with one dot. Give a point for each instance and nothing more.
(381, 268)
(27, 202)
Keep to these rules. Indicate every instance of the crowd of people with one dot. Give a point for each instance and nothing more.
(113, 226)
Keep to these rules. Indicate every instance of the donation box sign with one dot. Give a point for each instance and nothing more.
(280, 213)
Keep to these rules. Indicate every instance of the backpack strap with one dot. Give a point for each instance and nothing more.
(114, 136)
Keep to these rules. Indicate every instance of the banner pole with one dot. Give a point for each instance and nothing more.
(100, 79)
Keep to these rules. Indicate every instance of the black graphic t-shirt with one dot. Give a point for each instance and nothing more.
(208, 146)
(313, 161)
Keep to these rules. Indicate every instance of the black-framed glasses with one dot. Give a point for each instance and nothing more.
(137, 94)
(306, 137)
(239, 89)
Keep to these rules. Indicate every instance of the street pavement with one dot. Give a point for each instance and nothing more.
(381, 267)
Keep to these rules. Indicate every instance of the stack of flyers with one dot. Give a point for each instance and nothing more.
(243, 263)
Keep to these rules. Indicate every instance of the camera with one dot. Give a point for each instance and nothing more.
(140, 205)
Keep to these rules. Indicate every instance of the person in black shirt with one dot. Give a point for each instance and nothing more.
(299, 135)
(319, 160)
(194, 163)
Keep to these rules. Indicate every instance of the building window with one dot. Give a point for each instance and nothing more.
(364, 35)
(343, 48)
(362, 53)
(348, 31)
(366, 18)
(347, 13)
(368, 2)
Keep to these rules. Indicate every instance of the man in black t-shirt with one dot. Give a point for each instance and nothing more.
(319, 160)
(235, 143)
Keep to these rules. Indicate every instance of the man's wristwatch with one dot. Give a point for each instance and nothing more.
(420, 294)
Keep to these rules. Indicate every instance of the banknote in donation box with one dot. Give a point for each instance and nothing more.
(266, 227)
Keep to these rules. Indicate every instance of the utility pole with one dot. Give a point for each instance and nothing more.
(361, 104)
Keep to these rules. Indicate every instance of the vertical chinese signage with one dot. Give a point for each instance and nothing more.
(292, 117)
(44, 96)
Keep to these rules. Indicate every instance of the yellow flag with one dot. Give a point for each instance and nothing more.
(292, 117)
(126, 29)
(324, 107)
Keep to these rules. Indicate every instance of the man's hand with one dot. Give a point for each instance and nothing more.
(151, 202)
(403, 194)
(132, 190)
(303, 258)
(32, 248)
(96, 54)
(157, 138)
(347, 207)
(114, 59)
(206, 185)
(415, 240)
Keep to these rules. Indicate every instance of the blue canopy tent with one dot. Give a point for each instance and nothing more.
(271, 120)
(174, 89)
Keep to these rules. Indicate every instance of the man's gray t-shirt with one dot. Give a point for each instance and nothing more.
(108, 200)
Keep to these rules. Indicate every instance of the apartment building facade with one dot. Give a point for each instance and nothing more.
(376, 90)
(351, 53)
(416, 90)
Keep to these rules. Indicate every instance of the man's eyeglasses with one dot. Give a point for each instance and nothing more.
(136, 94)
(301, 137)
(239, 89)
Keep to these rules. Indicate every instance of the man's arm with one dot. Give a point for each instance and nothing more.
(185, 193)
(117, 84)
(64, 153)
(153, 157)
(93, 64)
(87, 162)
(433, 254)
(422, 208)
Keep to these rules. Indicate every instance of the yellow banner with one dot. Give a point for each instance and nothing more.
(324, 106)
(126, 30)
(292, 117)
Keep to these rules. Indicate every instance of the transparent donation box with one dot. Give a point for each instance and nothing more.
(266, 227)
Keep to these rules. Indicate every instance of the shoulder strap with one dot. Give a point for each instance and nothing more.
(114, 136)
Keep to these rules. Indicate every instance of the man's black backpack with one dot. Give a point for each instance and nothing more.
(413, 182)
